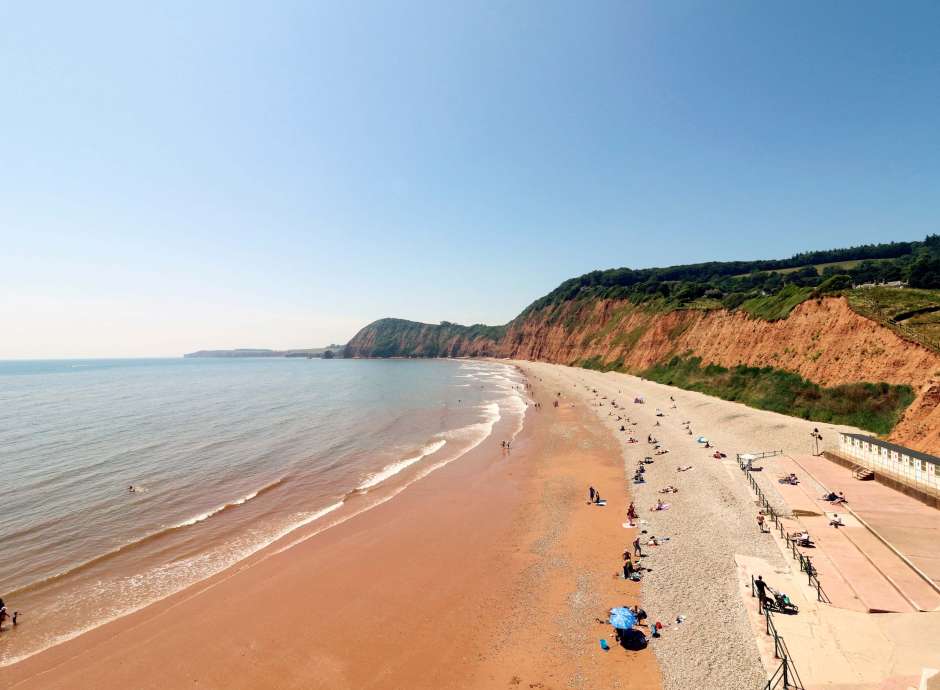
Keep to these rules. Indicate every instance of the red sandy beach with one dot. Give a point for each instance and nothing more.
(490, 572)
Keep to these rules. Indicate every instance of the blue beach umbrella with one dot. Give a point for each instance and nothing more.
(622, 618)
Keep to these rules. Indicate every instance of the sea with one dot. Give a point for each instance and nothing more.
(225, 457)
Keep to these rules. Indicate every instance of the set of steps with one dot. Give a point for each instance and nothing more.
(863, 473)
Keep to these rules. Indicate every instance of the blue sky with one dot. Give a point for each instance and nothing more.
(223, 174)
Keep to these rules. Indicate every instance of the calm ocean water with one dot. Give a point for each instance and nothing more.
(227, 455)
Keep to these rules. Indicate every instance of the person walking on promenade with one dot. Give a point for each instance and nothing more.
(761, 587)
(760, 521)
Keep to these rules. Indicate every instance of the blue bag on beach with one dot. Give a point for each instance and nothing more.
(604, 645)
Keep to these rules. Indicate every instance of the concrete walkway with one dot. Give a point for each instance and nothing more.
(842, 644)
(858, 566)
(840, 649)
(909, 525)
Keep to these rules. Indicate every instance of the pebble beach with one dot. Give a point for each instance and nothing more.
(711, 519)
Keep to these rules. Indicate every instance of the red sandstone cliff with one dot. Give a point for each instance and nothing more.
(822, 340)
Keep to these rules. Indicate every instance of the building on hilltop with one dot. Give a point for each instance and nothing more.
(891, 284)
(897, 464)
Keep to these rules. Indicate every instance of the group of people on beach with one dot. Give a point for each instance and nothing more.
(632, 568)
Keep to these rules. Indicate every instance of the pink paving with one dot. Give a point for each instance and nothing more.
(856, 568)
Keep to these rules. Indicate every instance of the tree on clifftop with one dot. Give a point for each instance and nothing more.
(925, 273)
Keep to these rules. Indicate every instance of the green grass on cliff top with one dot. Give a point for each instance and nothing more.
(778, 306)
(876, 407)
(913, 314)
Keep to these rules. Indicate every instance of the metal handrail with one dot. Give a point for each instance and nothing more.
(807, 567)
(812, 575)
(793, 679)
(813, 580)
(778, 675)
(786, 672)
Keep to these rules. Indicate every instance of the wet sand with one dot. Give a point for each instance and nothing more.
(488, 573)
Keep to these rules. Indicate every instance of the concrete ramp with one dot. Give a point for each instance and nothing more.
(881, 576)
(869, 583)
(914, 589)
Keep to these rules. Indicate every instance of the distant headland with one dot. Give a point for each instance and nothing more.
(327, 352)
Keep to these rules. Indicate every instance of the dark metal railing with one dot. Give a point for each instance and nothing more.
(785, 673)
(805, 564)
(762, 499)
(779, 675)
(812, 576)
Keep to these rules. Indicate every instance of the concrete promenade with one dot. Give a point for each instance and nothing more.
(870, 565)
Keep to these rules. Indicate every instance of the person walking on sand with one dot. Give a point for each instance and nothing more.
(631, 512)
(591, 494)
(760, 521)
(637, 551)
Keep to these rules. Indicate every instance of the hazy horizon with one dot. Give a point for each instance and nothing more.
(184, 177)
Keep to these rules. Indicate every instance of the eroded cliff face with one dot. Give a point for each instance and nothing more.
(822, 340)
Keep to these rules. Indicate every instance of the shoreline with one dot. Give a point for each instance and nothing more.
(151, 555)
(370, 602)
(326, 548)
(494, 570)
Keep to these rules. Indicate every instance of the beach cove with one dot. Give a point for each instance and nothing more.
(496, 571)
(490, 571)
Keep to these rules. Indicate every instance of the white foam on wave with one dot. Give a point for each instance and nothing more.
(209, 513)
(394, 468)
(472, 435)
(178, 575)
(515, 404)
